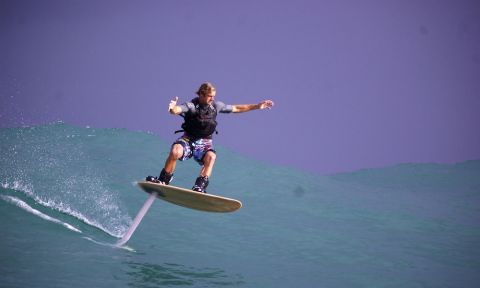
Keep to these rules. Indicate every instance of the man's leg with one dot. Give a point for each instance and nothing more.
(202, 181)
(175, 153)
(208, 162)
(167, 172)
(166, 175)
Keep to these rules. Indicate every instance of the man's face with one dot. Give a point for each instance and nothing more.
(208, 97)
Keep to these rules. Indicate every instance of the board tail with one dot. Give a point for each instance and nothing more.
(137, 220)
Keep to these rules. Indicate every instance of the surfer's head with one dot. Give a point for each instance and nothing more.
(206, 93)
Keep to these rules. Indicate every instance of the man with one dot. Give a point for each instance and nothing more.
(200, 123)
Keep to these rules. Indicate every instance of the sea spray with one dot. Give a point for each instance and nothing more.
(54, 166)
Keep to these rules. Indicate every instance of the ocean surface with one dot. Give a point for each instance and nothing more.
(67, 194)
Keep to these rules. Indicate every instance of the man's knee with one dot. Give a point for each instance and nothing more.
(209, 157)
(177, 151)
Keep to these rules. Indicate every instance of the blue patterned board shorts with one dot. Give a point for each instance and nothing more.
(196, 148)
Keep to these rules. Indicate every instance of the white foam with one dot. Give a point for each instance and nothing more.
(59, 206)
(17, 185)
(35, 212)
(110, 245)
(65, 208)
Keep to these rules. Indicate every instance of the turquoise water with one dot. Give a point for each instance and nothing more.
(67, 195)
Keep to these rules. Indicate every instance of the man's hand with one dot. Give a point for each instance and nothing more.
(172, 106)
(266, 104)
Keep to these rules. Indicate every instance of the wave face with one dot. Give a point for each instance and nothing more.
(408, 225)
(59, 167)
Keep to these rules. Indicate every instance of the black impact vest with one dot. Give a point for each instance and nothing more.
(200, 122)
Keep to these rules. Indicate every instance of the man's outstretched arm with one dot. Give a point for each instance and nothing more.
(266, 104)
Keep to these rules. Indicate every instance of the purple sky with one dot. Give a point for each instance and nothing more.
(356, 83)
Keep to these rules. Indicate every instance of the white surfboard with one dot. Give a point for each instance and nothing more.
(179, 196)
(191, 199)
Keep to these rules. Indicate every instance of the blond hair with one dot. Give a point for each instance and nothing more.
(205, 88)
